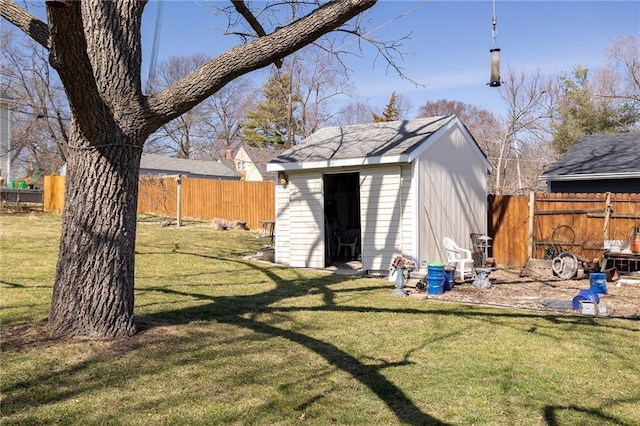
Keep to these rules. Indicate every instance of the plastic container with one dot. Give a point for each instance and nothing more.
(634, 244)
(11, 184)
(22, 185)
(448, 279)
(588, 307)
(588, 295)
(435, 278)
(598, 282)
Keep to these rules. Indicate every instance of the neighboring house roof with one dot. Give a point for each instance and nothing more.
(373, 143)
(228, 162)
(610, 156)
(161, 164)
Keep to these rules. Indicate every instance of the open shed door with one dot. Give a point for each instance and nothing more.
(381, 206)
(306, 218)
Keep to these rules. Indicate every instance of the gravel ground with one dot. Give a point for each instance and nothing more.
(520, 289)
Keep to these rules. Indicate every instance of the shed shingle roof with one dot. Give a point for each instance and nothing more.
(603, 156)
(366, 142)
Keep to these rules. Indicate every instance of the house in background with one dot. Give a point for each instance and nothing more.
(598, 163)
(251, 162)
(403, 185)
(160, 165)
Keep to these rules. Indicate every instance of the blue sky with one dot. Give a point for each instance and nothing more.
(448, 50)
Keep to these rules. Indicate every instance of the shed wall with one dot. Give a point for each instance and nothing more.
(409, 220)
(452, 195)
(282, 227)
(381, 216)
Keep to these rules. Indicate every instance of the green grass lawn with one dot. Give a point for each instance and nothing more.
(226, 341)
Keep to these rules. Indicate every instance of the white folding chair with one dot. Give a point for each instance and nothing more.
(458, 256)
(349, 241)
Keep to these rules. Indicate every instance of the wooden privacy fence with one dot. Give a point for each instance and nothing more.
(526, 227)
(204, 199)
(522, 227)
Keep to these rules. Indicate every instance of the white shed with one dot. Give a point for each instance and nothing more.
(403, 184)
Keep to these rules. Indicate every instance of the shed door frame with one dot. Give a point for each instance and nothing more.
(342, 210)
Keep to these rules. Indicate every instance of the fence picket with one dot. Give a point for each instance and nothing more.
(204, 199)
(569, 221)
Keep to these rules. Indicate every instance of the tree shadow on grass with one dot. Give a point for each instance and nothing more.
(589, 415)
(233, 310)
(242, 311)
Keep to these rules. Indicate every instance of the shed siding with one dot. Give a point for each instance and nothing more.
(282, 228)
(306, 218)
(452, 195)
(381, 216)
(409, 223)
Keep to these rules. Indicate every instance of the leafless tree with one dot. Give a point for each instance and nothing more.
(618, 83)
(317, 77)
(530, 100)
(40, 111)
(95, 46)
(180, 136)
(225, 111)
(356, 112)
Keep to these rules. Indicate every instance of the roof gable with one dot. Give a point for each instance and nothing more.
(373, 143)
(259, 157)
(598, 156)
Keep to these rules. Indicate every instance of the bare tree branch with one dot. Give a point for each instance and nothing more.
(248, 16)
(32, 26)
(248, 57)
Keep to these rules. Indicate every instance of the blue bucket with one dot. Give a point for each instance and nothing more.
(435, 278)
(588, 295)
(448, 279)
(598, 282)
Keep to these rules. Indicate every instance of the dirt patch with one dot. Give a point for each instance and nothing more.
(511, 288)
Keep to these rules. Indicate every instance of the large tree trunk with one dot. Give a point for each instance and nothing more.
(96, 48)
(93, 291)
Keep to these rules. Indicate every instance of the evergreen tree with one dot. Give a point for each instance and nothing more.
(273, 119)
(390, 113)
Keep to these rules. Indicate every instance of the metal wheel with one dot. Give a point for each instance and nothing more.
(565, 265)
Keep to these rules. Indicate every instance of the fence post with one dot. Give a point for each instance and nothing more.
(532, 212)
(179, 201)
(607, 215)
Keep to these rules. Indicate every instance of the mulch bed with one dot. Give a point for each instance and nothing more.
(520, 289)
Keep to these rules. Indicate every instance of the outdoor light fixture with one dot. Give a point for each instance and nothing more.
(283, 178)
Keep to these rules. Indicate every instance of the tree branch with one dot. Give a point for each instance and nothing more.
(248, 16)
(213, 75)
(32, 26)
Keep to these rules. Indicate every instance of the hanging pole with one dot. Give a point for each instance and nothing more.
(494, 23)
(495, 51)
(154, 49)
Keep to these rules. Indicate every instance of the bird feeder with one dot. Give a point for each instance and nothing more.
(495, 68)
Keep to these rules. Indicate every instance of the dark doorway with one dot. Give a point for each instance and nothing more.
(342, 217)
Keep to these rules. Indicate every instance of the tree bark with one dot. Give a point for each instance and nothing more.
(94, 288)
(95, 46)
